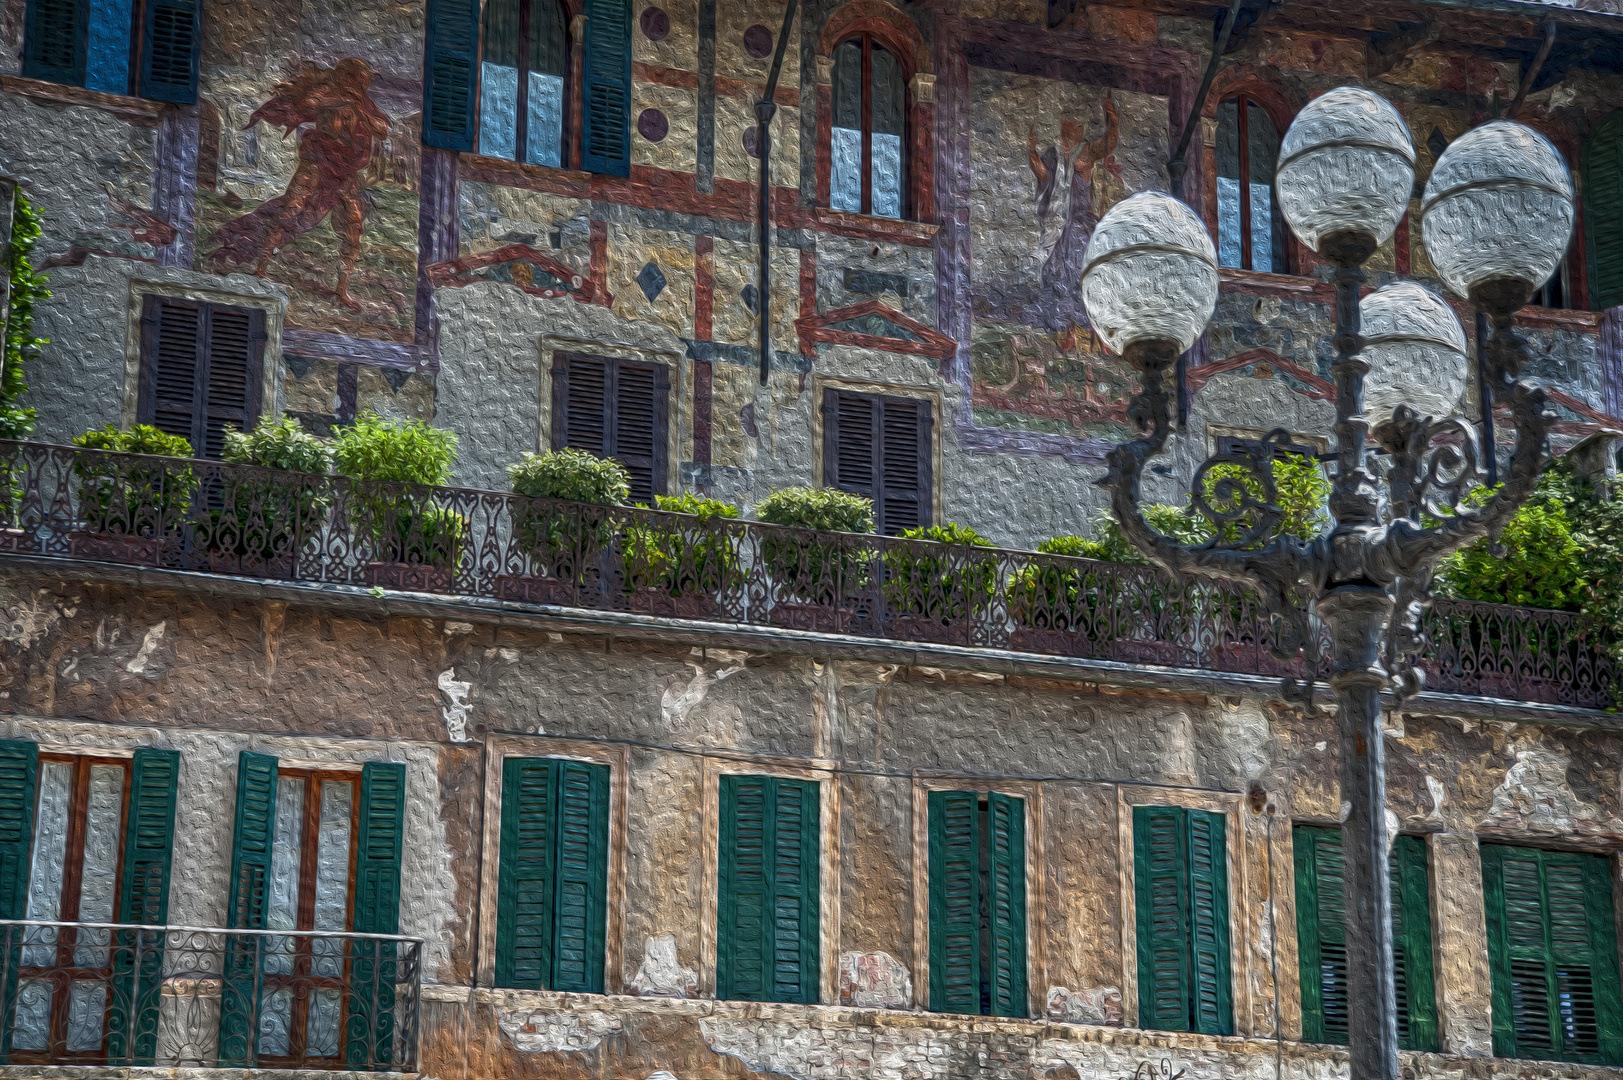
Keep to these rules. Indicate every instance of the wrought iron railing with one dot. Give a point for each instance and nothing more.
(62, 502)
(181, 996)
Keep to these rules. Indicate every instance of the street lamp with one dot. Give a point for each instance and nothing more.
(1497, 217)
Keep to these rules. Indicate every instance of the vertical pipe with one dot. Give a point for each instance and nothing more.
(1490, 451)
(765, 109)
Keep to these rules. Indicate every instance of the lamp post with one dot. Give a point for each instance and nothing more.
(1497, 217)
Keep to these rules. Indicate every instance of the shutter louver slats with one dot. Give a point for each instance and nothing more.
(19, 777)
(606, 83)
(175, 368)
(1411, 930)
(745, 900)
(55, 37)
(200, 370)
(880, 448)
(143, 898)
(788, 882)
(581, 387)
(955, 958)
(169, 56)
(1007, 841)
(232, 377)
(579, 904)
(1603, 211)
(524, 891)
(613, 408)
(902, 465)
(1209, 919)
(379, 851)
(767, 933)
(251, 848)
(1160, 882)
(450, 52)
(633, 444)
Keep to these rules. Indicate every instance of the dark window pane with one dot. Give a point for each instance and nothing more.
(888, 145)
(1228, 139)
(848, 85)
(547, 38)
(845, 139)
(889, 92)
(1267, 227)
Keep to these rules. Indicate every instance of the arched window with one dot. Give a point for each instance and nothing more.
(522, 76)
(1250, 232)
(1603, 211)
(868, 135)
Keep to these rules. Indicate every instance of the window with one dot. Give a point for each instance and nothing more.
(312, 850)
(1552, 952)
(144, 47)
(880, 447)
(1322, 938)
(868, 138)
(201, 368)
(615, 409)
(478, 101)
(101, 832)
(767, 908)
(1603, 211)
(1250, 231)
(522, 75)
(977, 903)
(551, 901)
(1180, 884)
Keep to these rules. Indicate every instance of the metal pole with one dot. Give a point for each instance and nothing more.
(765, 109)
(1176, 165)
(1357, 612)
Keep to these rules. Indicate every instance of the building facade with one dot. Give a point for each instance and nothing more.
(460, 825)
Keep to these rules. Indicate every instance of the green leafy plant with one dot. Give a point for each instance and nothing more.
(263, 515)
(558, 535)
(695, 558)
(144, 497)
(814, 570)
(942, 586)
(1537, 562)
(21, 346)
(1052, 596)
(405, 523)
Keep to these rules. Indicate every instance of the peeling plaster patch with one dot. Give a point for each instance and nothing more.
(1535, 795)
(458, 628)
(1246, 738)
(661, 973)
(143, 655)
(547, 1031)
(875, 980)
(1320, 745)
(457, 708)
(28, 620)
(1098, 1006)
(509, 655)
(678, 702)
(1435, 787)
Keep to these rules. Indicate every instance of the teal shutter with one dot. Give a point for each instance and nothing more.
(1161, 902)
(955, 954)
(149, 840)
(450, 72)
(1411, 941)
(250, 882)
(19, 775)
(1007, 877)
(767, 914)
(55, 36)
(1321, 933)
(1603, 211)
(370, 1028)
(1552, 952)
(523, 893)
(606, 89)
(1213, 1012)
(171, 37)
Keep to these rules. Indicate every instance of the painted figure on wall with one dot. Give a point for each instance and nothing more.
(1065, 211)
(333, 154)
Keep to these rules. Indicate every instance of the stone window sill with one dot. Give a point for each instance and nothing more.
(138, 110)
(519, 174)
(1257, 281)
(868, 227)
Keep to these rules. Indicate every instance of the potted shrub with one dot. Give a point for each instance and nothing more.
(936, 594)
(134, 508)
(413, 542)
(558, 525)
(680, 565)
(818, 577)
(260, 519)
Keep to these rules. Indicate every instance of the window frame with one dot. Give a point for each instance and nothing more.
(137, 39)
(931, 400)
(571, 91)
(258, 368)
(1243, 99)
(868, 39)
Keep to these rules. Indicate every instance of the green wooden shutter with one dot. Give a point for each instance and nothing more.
(19, 776)
(523, 897)
(450, 73)
(955, 954)
(1411, 939)
(1007, 904)
(149, 839)
(767, 914)
(56, 34)
(1603, 211)
(606, 89)
(371, 1025)
(250, 882)
(170, 36)
(1161, 902)
(1212, 1011)
(581, 881)
(1552, 952)
(1321, 929)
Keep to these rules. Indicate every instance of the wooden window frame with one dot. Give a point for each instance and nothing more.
(1243, 100)
(865, 118)
(931, 398)
(568, 148)
(147, 338)
(661, 440)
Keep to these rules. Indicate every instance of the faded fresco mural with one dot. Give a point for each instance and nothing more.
(331, 210)
(1034, 363)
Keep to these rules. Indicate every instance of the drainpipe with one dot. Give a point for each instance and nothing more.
(765, 110)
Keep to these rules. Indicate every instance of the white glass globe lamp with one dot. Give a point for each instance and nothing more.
(1497, 215)
(1416, 353)
(1150, 275)
(1346, 170)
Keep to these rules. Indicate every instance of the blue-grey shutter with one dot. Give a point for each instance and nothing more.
(450, 73)
(955, 865)
(606, 89)
(55, 35)
(149, 840)
(250, 892)
(373, 971)
(171, 36)
(19, 776)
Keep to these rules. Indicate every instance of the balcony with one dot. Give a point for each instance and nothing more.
(190, 516)
(116, 995)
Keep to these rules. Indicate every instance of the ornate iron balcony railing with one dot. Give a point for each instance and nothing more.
(112, 994)
(66, 503)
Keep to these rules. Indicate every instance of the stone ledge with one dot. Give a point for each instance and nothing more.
(176, 1072)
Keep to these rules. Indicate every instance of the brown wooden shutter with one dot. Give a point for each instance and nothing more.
(201, 369)
(618, 409)
(880, 447)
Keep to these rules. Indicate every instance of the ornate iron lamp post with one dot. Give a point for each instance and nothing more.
(1497, 217)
